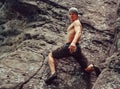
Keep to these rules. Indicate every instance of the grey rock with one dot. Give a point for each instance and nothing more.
(30, 29)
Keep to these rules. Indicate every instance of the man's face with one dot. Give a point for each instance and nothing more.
(73, 16)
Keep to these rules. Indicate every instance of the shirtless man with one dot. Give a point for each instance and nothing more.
(71, 48)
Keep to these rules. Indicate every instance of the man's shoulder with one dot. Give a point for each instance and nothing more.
(77, 22)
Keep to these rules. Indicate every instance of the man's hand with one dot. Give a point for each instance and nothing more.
(72, 47)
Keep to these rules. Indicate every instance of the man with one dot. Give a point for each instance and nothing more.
(71, 48)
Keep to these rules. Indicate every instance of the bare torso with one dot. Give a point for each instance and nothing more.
(71, 32)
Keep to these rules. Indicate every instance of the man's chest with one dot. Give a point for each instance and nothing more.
(70, 28)
(71, 31)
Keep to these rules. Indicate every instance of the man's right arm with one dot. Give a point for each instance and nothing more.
(78, 31)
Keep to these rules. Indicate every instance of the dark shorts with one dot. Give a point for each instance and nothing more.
(64, 52)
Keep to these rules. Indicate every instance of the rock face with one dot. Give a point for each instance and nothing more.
(30, 29)
(109, 78)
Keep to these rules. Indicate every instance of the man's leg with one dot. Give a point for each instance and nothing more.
(51, 63)
(57, 54)
(53, 75)
(88, 68)
(80, 57)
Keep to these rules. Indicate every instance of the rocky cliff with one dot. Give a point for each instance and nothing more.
(30, 29)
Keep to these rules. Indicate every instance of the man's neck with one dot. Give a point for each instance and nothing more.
(73, 20)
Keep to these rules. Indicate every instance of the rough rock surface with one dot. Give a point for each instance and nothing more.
(30, 29)
(110, 76)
